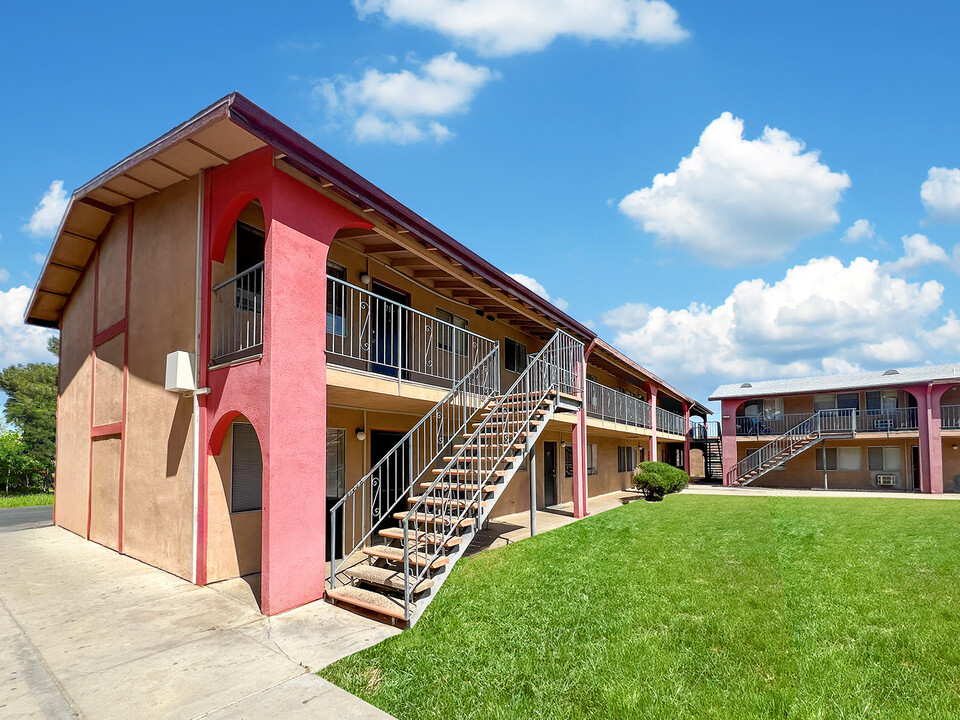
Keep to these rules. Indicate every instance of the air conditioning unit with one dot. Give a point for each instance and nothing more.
(886, 480)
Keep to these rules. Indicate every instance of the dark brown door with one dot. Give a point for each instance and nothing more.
(915, 464)
(549, 473)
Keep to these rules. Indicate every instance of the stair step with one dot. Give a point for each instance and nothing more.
(422, 538)
(368, 600)
(541, 413)
(440, 501)
(502, 424)
(437, 519)
(516, 446)
(475, 458)
(467, 436)
(394, 554)
(384, 577)
(466, 471)
(461, 487)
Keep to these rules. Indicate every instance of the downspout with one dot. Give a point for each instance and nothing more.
(196, 382)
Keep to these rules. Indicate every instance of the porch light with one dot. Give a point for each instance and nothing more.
(365, 278)
(361, 434)
(953, 447)
(563, 443)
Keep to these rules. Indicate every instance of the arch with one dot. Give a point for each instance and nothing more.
(228, 218)
(222, 424)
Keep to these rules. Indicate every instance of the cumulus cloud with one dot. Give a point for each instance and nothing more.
(861, 231)
(20, 343)
(734, 201)
(4, 274)
(821, 317)
(531, 284)
(403, 107)
(918, 251)
(940, 194)
(47, 215)
(38, 258)
(508, 27)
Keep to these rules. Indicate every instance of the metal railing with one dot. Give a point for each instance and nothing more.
(238, 316)
(611, 405)
(867, 421)
(364, 508)
(368, 332)
(890, 420)
(670, 422)
(759, 426)
(709, 430)
(507, 425)
(950, 417)
(777, 450)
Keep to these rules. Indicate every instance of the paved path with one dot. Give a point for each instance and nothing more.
(25, 518)
(85, 632)
(812, 492)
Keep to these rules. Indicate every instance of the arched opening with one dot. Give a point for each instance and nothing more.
(237, 275)
(235, 505)
(950, 432)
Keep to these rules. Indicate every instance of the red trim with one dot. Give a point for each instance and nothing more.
(108, 430)
(114, 330)
(93, 382)
(126, 380)
(203, 359)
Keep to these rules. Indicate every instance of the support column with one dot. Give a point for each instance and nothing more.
(925, 432)
(532, 456)
(728, 435)
(935, 438)
(652, 399)
(686, 438)
(580, 465)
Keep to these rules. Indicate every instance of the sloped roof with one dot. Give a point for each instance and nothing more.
(833, 383)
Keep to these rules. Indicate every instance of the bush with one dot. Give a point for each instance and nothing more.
(657, 479)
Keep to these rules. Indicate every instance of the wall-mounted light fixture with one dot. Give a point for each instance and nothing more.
(365, 278)
(563, 443)
(361, 434)
(954, 446)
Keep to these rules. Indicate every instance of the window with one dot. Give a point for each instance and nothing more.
(881, 400)
(336, 452)
(568, 461)
(591, 460)
(246, 486)
(336, 300)
(514, 355)
(843, 459)
(824, 402)
(848, 401)
(248, 292)
(769, 408)
(592, 377)
(885, 459)
(447, 337)
(626, 458)
(250, 245)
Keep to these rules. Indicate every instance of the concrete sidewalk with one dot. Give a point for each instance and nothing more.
(751, 491)
(85, 632)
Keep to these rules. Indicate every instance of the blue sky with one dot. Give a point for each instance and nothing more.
(535, 138)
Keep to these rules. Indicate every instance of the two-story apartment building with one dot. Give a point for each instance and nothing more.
(268, 365)
(896, 429)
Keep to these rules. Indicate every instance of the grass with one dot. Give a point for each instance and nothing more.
(26, 500)
(696, 607)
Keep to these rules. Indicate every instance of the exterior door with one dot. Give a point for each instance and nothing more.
(387, 326)
(389, 482)
(915, 466)
(336, 486)
(549, 473)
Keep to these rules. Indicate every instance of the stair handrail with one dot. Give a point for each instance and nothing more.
(427, 440)
(801, 432)
(556, 367)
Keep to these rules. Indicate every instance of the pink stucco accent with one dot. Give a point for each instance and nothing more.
(580, 464)
(728, 432)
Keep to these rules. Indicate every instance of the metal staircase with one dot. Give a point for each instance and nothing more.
(713, 458)
(798, 439)
(395, 569)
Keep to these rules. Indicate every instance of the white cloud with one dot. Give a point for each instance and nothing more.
(47, 215)
(507, 27)
(20, 343)
(821, 317)
(38, 258)
(917, 252)
(862, 230)
(403, 107)
(940, 194)
(735, 201)
(4, 274)
(531, 284)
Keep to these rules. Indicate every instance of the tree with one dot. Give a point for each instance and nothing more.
(31, 408)
(17, 468)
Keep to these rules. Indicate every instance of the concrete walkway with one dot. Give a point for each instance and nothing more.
(811, 492)
(85, 632)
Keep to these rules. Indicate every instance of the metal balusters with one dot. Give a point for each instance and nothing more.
(805, 431)
(238, 318)
(614, 406)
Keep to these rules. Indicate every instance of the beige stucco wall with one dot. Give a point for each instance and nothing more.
(112, 290)
(951, 464)
(105, 491)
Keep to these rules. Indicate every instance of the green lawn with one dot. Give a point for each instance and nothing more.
(26, 500)
(696, 607)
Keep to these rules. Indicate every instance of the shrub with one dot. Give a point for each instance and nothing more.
(657, 479)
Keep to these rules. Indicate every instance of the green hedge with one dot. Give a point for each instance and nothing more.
(657, 479)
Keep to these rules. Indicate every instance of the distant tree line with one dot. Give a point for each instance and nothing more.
(28, 444)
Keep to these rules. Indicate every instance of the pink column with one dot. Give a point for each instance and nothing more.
(652, 399)
(728, 432)
(580, 464)
(294, 454)
(934, 437)
(686, 438)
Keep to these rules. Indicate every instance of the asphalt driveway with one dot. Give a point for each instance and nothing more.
(85, 632)
(25, 518)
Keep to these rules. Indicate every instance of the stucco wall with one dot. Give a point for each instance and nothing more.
(951, 465)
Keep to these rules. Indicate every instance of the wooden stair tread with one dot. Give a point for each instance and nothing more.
(368, 600)
(429, 500)
(437, 519)
(394, 554)
(475, 458)
(423, 538)
(470, 435)
(466, 471)
(461, 487)
(384, 577)
(516, 446)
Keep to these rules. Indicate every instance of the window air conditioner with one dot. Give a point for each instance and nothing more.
(886, 479)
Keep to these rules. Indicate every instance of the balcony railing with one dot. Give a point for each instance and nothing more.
(368, 332)
(238, 316)
(705, 430)
(950, 417)
(669, 422)
(614, 406)
(844, 420)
